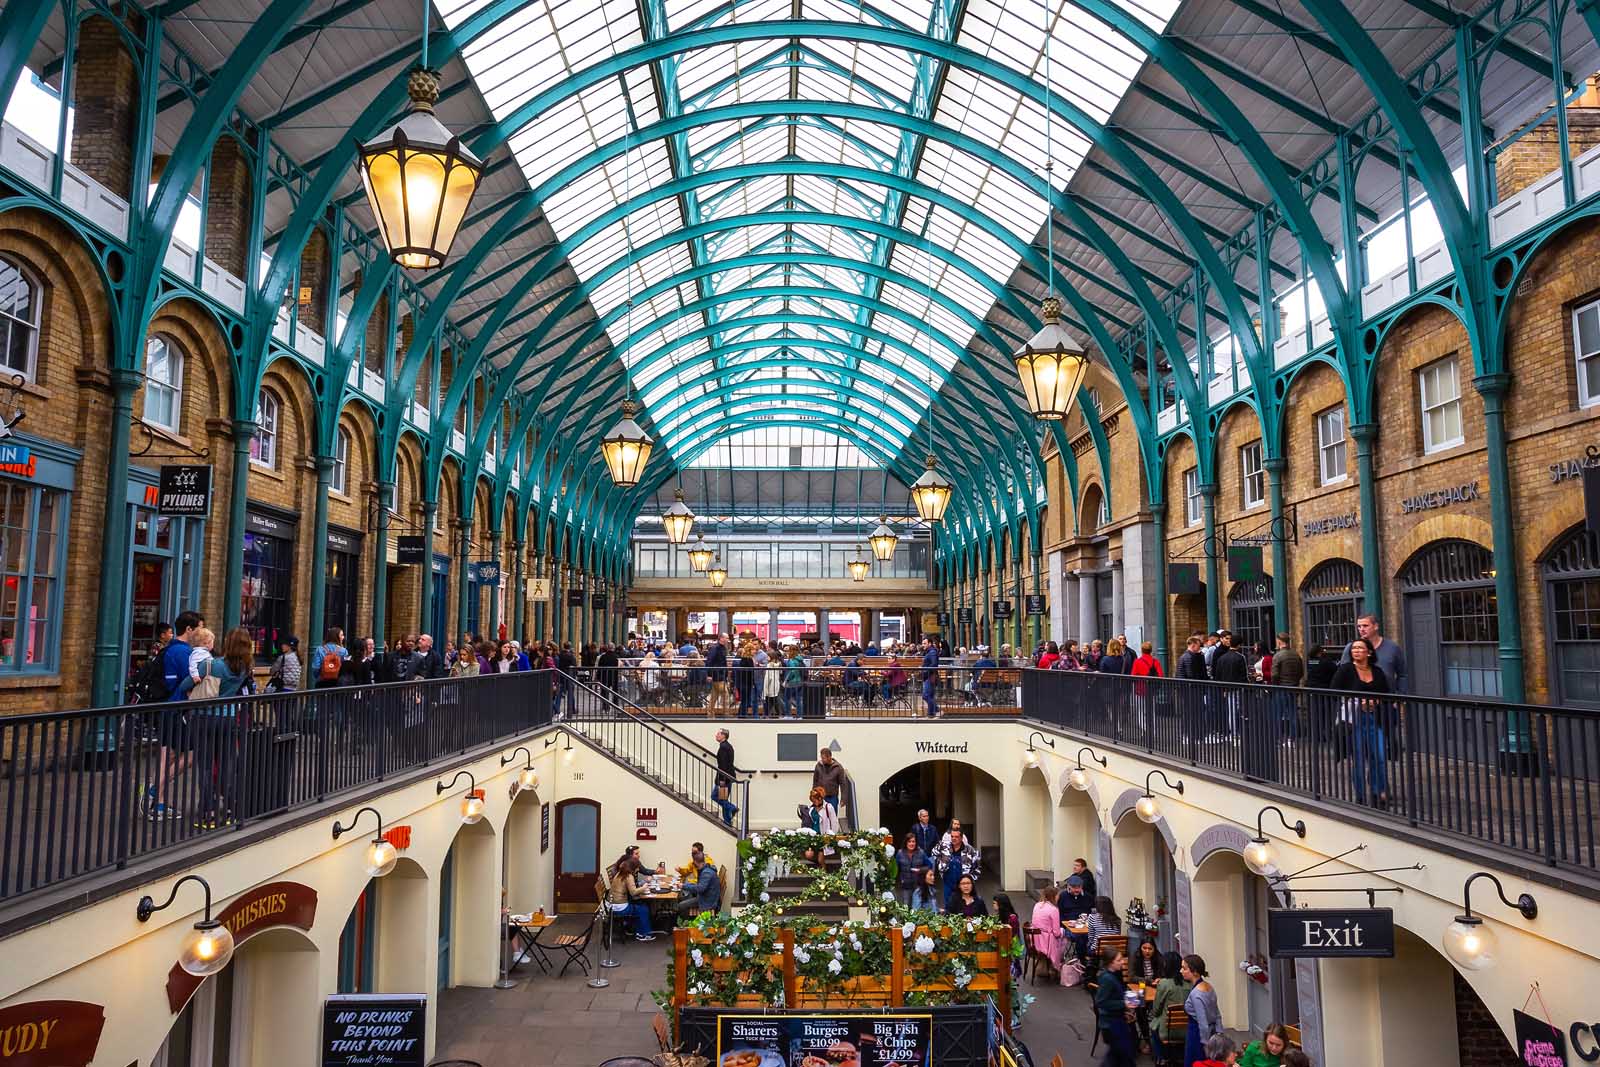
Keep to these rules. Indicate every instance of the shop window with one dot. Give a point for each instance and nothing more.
(264, 605)
(1332, 596)
(264, 445)
(1439, 389)
(1572, 597)
(341, 462)
(1250, 614)
(1586, 352)
(1451, 621)
(1191, 497)
(1332, 461)
(163, 383)
(33, 524)
(1252, 476)
(19, 320)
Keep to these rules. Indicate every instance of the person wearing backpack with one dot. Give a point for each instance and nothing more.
(328, 658)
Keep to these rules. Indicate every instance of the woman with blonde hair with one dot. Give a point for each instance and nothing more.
(214, 725)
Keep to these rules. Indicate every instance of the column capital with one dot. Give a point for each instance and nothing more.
(1275, 464)
(1207, 489)
(1364, 433)
(1493, 388)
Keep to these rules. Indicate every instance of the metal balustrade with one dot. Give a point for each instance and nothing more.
(74, 794)
(1517, 776)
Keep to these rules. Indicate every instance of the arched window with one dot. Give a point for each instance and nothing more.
(264, 445)
(341, 462)
(19, 320)
(1332, 595)
(1451, 623)
(163, 383)
(1571, 575)
(1250, 613)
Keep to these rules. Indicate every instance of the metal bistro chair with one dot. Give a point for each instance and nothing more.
(576, 946)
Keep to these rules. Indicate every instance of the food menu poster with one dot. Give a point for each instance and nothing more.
(824, 1040)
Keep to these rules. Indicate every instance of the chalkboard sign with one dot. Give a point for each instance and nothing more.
(1538, 1043)
(410, 549)
(1035, 604)
(1183, 579)
(366, 1028)
(1330, 933)
(797, 748)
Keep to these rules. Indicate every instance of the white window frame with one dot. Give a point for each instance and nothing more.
(264, 447)
(1580, 357)
(168, 390)
(1193, 514)
(14, 322)
(341, 462)
(1330, 471)
(1428, 405)
(1252, 476)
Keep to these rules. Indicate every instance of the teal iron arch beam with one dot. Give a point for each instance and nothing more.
(19, 32)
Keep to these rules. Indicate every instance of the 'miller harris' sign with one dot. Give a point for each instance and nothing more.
(1330, 933)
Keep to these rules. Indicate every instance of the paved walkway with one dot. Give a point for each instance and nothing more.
(561, 1022)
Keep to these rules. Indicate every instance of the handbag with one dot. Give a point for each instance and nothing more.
(722, 792)
(209, 687)
(1072, 972)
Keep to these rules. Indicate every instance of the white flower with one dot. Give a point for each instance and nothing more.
(698, 957)
(765, 897)
(962, 980)
(748, 953)
(755, 840)
(802, 955)
(888, 851)
(862, 842)
(924, 945)
(908, 929)
(752, 929)
(844, 844)
(887, 895)
(834, 967)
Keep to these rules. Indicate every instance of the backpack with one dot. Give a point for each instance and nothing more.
(149, 686)
(332, 663)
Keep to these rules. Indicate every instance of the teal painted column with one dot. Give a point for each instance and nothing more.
(1280, 557)
(519, 612)
(557, 594)
(244, 432)
(430, 510)
(1019, 604)
(1163, 622)
(111, 610)
(499, 584)
(380, 564)
(1492, 388)
(319, 550)
(463, 587)
(1038, 621)
(1366, 435)
(1208, 507)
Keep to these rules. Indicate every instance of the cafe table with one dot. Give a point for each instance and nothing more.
(662, 896)
(527, 929)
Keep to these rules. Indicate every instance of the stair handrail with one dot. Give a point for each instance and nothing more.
(681, 739)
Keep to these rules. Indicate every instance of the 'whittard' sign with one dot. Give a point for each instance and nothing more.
(1330, 933)
(940, 746)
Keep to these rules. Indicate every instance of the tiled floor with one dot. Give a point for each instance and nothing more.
(561, 1022)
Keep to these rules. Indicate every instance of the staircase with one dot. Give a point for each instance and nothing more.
(671, 761)
(831, 909)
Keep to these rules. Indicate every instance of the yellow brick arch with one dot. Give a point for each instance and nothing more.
(1449, 527)
(64, 268)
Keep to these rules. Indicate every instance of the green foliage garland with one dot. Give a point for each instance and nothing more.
(867, 853)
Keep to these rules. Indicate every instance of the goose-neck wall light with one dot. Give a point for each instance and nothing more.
(209, 946)
(381, 854)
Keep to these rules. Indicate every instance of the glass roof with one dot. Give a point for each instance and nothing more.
(783, 446)
(809, 303)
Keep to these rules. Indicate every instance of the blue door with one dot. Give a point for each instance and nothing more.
(474, 591)
(447, 912)
(441, 599)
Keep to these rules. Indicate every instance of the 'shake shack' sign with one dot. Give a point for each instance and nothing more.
(50, 1033)
(261, 908)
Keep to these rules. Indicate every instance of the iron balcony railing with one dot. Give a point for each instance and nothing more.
(79, 790)
(1518, 776)
(873, 690)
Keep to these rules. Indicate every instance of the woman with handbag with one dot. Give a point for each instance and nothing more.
(215, 725)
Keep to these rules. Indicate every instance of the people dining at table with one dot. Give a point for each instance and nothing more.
(1075, 902)
(624, 899)
(1269, 1050)
(697, 853)
(1166, 1047)
(965, 899)
(1149, 967)
(1101, 920)
(704, 893)
(1049, 940)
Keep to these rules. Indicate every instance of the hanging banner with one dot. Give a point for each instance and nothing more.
(368, 1028)
(538, 589)
(966, 616)
(184, 490)
(1035, 604)
(488, 571)
(1538, 1043)
(410, 549)
(831, 1040)
(575, 597)
(1330, 933)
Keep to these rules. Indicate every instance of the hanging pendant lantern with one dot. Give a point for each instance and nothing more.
(419, 179)
(859, 565)
(931, 492)
(677, 520)
(626, 448)
(701, 555)
(718, 574)
(883, 540)
(1051, 366)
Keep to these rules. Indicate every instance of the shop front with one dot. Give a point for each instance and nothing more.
(37, 479)
(166, 558)
(265, 606)
(342, 577)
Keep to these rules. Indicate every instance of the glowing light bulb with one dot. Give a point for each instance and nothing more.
(1261, 857)
(1148, 809)
(381, 858)
(1471, 944)
(471, 809)
(1079, 779)
(1031, 757)
(570, 754)
(208, 950)
(528, 779)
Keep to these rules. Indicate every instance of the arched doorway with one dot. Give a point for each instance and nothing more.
(1235, 901)
(469, 909)
(252, 1013)
(1251, 614)
(949, 789)
(1142, 866)
(1332, 599)
(527, 884)
(1571, 574)
(1452, 629)
(1077, 833)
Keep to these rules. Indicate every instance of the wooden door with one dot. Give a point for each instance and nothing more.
(577, 854)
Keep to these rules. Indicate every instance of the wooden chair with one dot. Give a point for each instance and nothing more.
(1294, 1035)
(1177, 1031)
(1111, 944)
(1033, 957)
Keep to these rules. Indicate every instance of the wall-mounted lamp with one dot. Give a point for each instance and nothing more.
(209, 946)
(381, 854)
(1079, 778)
(1149, 808)
(472, 803)
(568, 753)
(1467, 940)
(1259, 855)
(1031, 757)
(528, 778)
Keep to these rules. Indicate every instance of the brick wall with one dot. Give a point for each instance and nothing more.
(227, 215)
(1479, 1039)
(314, 276)
(1538, 152)
(105, 95)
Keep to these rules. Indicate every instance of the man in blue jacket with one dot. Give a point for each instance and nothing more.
(930, 676)
(705, 892)
(717, 675)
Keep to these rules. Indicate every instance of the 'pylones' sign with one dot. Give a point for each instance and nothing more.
(1330, 933)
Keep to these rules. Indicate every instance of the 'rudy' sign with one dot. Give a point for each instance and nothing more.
(50, 1033)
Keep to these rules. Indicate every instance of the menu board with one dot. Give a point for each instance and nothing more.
(824, 1040)
(359, 1029)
